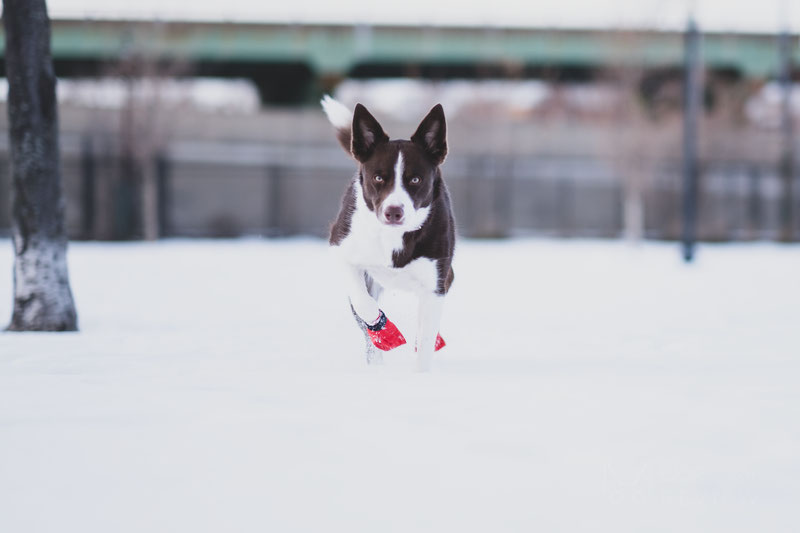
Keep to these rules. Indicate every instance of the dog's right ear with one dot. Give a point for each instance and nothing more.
(366, 133)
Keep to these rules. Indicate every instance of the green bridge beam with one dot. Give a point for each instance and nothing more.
(295, 62)
(339, 49)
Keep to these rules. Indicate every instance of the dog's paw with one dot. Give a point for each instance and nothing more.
(439, 344)
(384, 334)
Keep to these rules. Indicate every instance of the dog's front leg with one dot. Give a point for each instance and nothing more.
(364, 305)
(430, 315)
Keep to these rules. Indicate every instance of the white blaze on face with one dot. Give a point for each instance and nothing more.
(412, 218)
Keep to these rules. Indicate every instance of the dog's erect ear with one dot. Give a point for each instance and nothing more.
(431, 135)
(367, 134)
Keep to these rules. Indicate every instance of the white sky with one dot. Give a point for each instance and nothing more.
(715, 15)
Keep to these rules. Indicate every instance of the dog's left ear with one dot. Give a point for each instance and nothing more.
(431, 135)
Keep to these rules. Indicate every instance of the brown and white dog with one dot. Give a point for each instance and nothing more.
(395, 229)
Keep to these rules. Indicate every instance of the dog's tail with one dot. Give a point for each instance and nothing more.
(341, 118)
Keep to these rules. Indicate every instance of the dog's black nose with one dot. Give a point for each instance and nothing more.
(394, 214)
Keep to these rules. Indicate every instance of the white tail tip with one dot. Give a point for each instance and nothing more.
(337, 113)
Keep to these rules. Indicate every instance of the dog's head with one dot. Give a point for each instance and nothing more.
(397, 177)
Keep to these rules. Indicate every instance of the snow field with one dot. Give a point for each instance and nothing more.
(586, 386)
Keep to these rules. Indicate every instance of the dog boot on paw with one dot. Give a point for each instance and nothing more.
(384, 334)
(439, 344)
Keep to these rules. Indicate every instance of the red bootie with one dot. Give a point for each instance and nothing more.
(385, 335)
(439, 344)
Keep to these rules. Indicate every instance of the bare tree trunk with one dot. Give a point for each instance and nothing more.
(42, 296)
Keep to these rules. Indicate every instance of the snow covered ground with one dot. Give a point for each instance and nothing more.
(586, 386)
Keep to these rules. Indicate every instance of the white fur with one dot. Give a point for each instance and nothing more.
(398, 196)
(371, 245)
(337, 113)
(429, 316)
(370, 241)
(413, 218)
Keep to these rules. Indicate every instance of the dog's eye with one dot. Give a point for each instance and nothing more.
(378, 179)
(415, 180)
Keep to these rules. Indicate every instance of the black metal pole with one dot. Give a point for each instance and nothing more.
(787, 164)
(691, 111)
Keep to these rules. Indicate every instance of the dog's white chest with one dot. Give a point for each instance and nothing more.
(417, 276)
(370, 246)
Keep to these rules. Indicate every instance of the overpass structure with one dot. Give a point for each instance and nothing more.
(293, 64)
